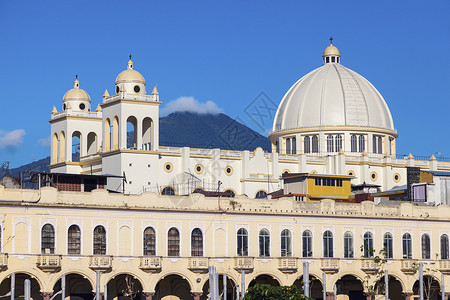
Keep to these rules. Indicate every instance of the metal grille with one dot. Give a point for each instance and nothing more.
(48, 239)
(196, 242)
(100, 240)
(173, 242)
(74, 240)
(149, 241)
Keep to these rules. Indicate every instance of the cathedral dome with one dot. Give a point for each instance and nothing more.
(130, 75)
(332, 96)
(76, 94)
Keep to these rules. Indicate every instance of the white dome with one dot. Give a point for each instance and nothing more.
(332, 95)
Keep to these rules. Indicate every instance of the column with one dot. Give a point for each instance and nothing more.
(47, 295)
(148, 295)
(197, 295)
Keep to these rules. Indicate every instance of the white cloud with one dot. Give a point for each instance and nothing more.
(44, 142)
(9, 140)
(189, 104)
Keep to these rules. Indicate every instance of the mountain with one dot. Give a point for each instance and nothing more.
(184, 129)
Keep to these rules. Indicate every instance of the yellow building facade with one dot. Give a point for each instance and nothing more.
(165, 244)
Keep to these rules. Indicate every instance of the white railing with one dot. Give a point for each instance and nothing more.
(88, 114)
(170, 149)
(230, 153)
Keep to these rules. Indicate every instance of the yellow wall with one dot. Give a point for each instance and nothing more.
(329, 191)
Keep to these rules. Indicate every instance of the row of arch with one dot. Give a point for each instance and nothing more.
(242, 238)
(139, 135)
(81, 286)
(59, 144)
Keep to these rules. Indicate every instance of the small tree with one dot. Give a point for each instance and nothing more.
(430, 286)
(372, 281)
(130, 288)
(268, 292)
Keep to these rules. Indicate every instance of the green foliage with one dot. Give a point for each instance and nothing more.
(268, 292)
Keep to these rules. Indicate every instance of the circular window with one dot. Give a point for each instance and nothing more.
(396, 177)
(229, 170)
(199, 169)
(373, 176)
(82, 106)
(117, 89)
(351, 173)
(137, 89)
(168, 167)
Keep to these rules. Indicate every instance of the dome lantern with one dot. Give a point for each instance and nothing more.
(130, 64)
(331, 54)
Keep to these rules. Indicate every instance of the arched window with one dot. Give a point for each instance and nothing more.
(76, 146)
(99, 240)
(149, 241)
(264, 242)
(74, 240)
(294, 145)
(242, 242)
(387, 245)
(348, 245)
(288, 146)
(48, 239)
(315, 144)
(168, 191)
(338, 141)
(131, 133)
(229, 193)
(406, 241)
(277, 147)
(261, 194)
(354, 143)
(444, 246)
(307, 243)
(426, 246)
(368, 245)
(306, 145)
(286, 248)
(173, 242)
(362, 143)
(327, 244)
(92, 143)
(196, 242)
(147, 134)
(330, 143)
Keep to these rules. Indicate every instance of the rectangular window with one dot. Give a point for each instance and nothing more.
(338, 182)
(317, 181)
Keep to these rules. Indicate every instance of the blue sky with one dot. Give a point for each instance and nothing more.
(226, 52)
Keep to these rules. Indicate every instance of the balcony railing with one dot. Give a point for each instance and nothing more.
(287, 264)
(444, 267)
(151, 263)
(408, 266)
(329, 265)
(369, 266)
(198, 264)
(3, 261)
(243, 264)
(49, 262)
(100, 262)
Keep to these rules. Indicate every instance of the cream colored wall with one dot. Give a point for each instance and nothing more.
(126, 216)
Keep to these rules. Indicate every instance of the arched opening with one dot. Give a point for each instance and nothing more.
(91, 143)
(264, 243)
(115, 133)
(48, 239)
(149, 241)
(368, 245)
(288, 146)
(388, 245)
(348, 245)
(147, 134)
(77, 288)
(328, 244)
(444, 246)
(286, 243)
(426, 246)
(107, 135)
(294, 145)
(54, 148)
(230, 291)
(394, 287)
(315, 144)
(173, 242)
(131, 132)
(99, 243)
(307, 145)
(76, 146)
(350, 287)
(173, 287)
(196, 242)
(124, 287)
(315, 286)
(261, 194)
(74, 240)
(307, 244)
(407, 246)
(431, 288)
(168, 191)
(242, 242)
(264, 279)
(62, 147)
(19, 286)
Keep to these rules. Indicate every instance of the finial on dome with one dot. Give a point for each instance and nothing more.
(54, 110)
(331, 40)
(155, 90)
(130, 64)
(105, 94)
(331, 54)
(76, 83)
